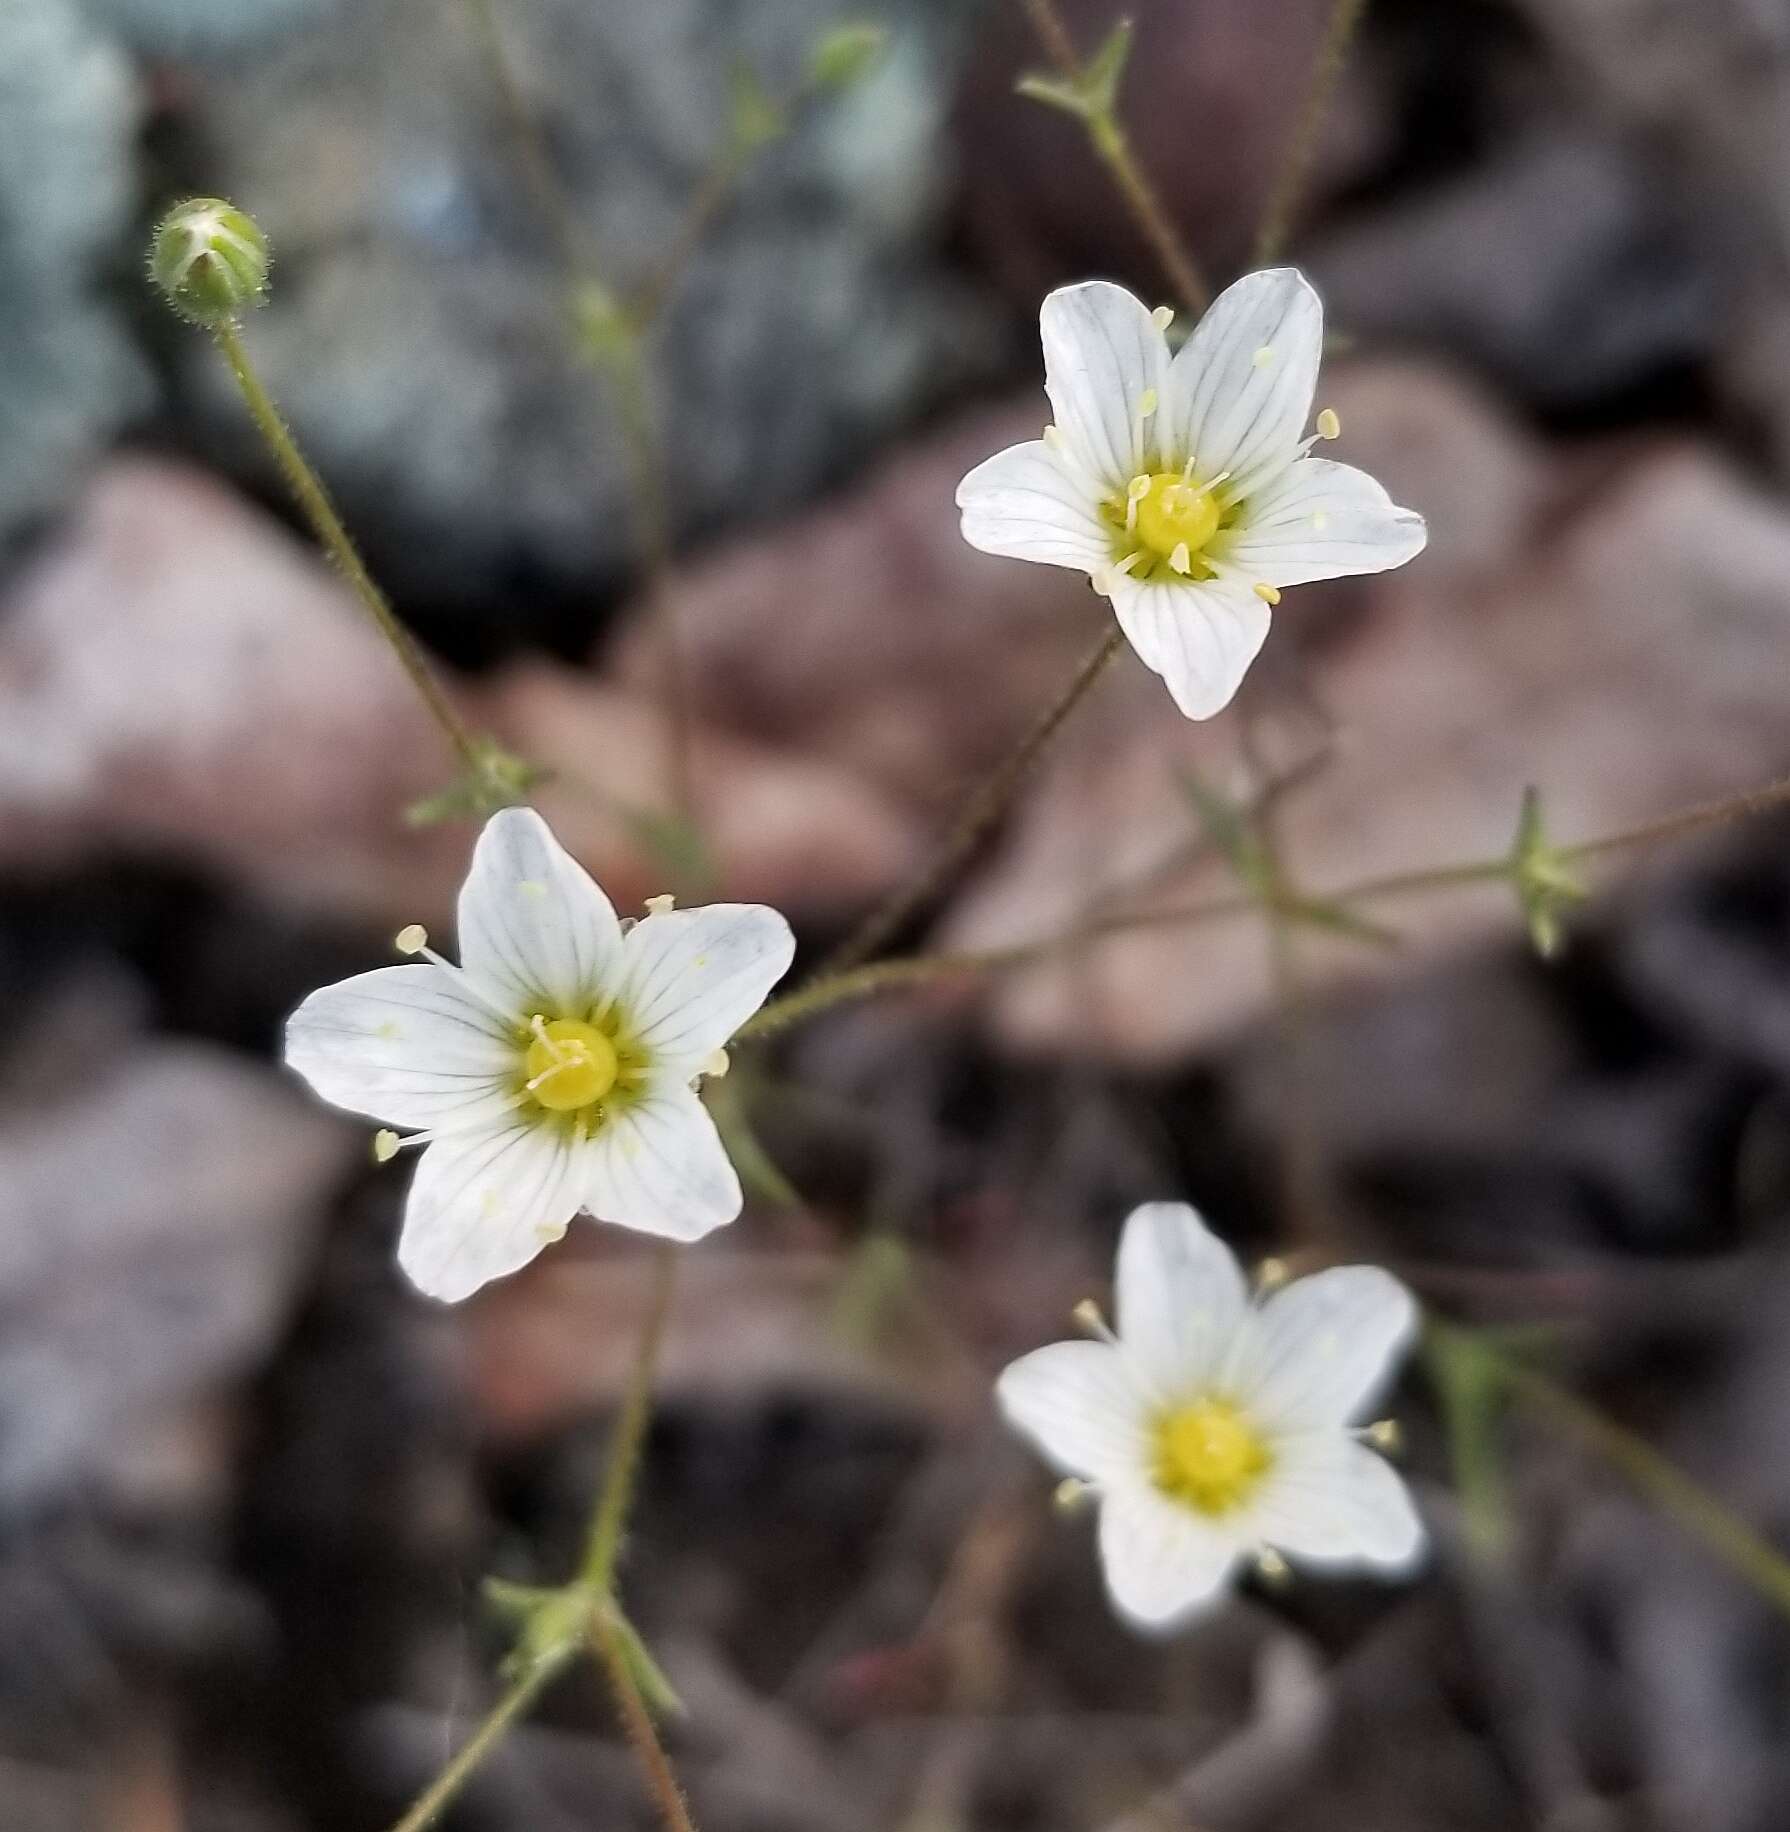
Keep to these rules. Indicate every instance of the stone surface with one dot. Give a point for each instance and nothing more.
(418, 330)
(157, 1208)
(68, 379)
(179, 677)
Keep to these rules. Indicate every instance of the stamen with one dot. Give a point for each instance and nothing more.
(1135, 492)
(1120, 568)
(1163, 317)
(1271, 1274)
(1187, 469)
(1266, 593)
(1271, 1565)
(657, 906)
(1052, 437)
(413, 938)
(1146, 403)
(1385, 1436)
(1329, 423)
(538, 1024)
(715, 1065)
(1087, 1317)
(387, 1144)
(1073, 1494)
(1181, 560)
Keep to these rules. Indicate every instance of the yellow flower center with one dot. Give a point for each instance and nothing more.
(570, 1064)
(1173, 513)
(1208, 1456)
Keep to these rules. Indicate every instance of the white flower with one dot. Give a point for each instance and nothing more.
(1181, 485)
(1214, 1429)
(552, 1070)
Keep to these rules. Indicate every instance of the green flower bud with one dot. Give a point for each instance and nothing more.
(844, 53)
(209, 260)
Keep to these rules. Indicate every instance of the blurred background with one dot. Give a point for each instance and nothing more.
(250, 1484)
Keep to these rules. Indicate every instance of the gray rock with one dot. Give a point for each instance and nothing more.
(417, 332)
(1568, 266)
(68, 378)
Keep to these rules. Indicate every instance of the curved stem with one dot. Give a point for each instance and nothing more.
(643, 1739)
(603, 1545)
(523, 1692)
(1289, 183)
(1113, 148)
(981, 809)
(314, 502)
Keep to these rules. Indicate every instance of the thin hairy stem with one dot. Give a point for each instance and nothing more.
(983, 807)
(836, 988)
(590, 1623)
(1745, 1551)
(1289, 184)
(515, 1703)
(1112, 146)
(314, 502)
(625, 363)
(610, 1519)
(714, 190)
(643, 1739)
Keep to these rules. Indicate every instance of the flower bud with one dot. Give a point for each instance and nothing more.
(209, 261)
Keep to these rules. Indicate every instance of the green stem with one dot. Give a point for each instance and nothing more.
(610, 1518)
(313, 500)
(1289, 183)
(1747, 1553)
(985, 805)
(514, 1704)
(1112, 147)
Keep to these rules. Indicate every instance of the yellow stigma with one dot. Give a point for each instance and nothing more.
(1174, 515)
(571, 1064)
(1208, 1456)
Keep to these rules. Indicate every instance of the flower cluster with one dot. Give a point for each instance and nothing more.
(555, 1070)
(1181, 485)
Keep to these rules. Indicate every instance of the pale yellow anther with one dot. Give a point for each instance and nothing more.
(1053, 437)
(1163, 317)
(386, 1144)
(1271, 1274)
(657, 906)
(1385, 1436)
(715, 1064)
(1072, 1493)
(1263, 356)
(1146, 403)
(1265, 592)
(1329, 423)
(1138, 488)
(1272, 1566)
(413, 938)
(1181, 560)
(1088, 1318)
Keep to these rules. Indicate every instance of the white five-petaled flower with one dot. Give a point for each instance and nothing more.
(1181, 484)
(552, 1071)
(1213, 1428)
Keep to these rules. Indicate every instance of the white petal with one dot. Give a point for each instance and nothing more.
(1102, 355)
(1240, 391)
(405, 1044)
(1319, 520)
(1024, 504)
(1163, 1562)
(690, 978)
(1181, 1299)
(1321, 1349)
(1078, 1402)
(1332, 1501)
(534, 927)
(483, 1204)
(1200, 637)
(658, 1165)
